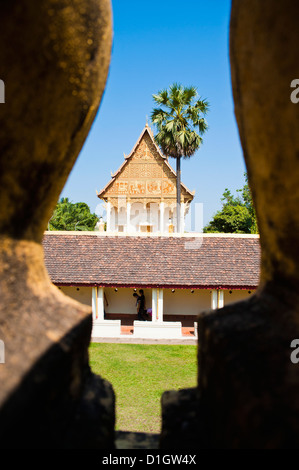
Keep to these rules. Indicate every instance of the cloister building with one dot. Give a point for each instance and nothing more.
(181, 274)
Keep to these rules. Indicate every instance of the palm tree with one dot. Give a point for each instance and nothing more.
(180, 124)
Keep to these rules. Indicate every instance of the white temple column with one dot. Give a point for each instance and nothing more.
(220, 299)
(214, 299)
(160, 305)
(108, 208)
(157, 328)
(182, 215)
(94, 302)
(113, 219)
(217, 299)
(128, 229)
(162, 217)
(157, 305)
(100, 303)
(154, 305)
(102, 328)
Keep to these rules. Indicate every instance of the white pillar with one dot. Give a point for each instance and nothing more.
(108, 208)
(161, 217)
(214, 300)
(217, 299)
(182, 215)
(113, 219)
(220, 296)
(160, 305)
(100, 303)
(154, 305)
(157, 305)
(94, 302)
(128, 217)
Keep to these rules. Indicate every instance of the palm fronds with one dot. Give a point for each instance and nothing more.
(180, 122)
(178, 119)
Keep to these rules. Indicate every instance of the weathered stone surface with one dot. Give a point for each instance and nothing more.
(136, 440)
(180, 419)
(54, 61)
(248, 384)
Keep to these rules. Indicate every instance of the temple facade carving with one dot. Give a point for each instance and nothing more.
(141, 195)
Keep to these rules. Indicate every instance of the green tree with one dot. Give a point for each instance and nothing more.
(237, 214)
(180, 122)
(72, 216)
(248, 202)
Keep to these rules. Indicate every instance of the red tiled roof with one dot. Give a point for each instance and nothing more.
(209, 262)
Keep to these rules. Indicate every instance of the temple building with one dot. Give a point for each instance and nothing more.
(181, 274)
(141, 195)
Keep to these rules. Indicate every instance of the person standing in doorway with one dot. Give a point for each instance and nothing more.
(105, 305)
(142, 310)
(138, 307)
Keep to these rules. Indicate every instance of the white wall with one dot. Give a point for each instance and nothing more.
(123, 301)
(183, 302)
(236, 296)
(81, 294)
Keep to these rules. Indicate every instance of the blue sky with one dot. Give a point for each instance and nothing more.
(155, 44)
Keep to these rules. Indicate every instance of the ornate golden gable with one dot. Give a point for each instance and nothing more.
(145, 176)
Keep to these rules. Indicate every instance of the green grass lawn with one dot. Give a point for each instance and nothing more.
(139, 375)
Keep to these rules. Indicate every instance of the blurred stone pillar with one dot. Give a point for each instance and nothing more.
(249, 388)
(54, 63)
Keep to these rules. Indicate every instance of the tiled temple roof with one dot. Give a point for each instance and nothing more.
(207, 262)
